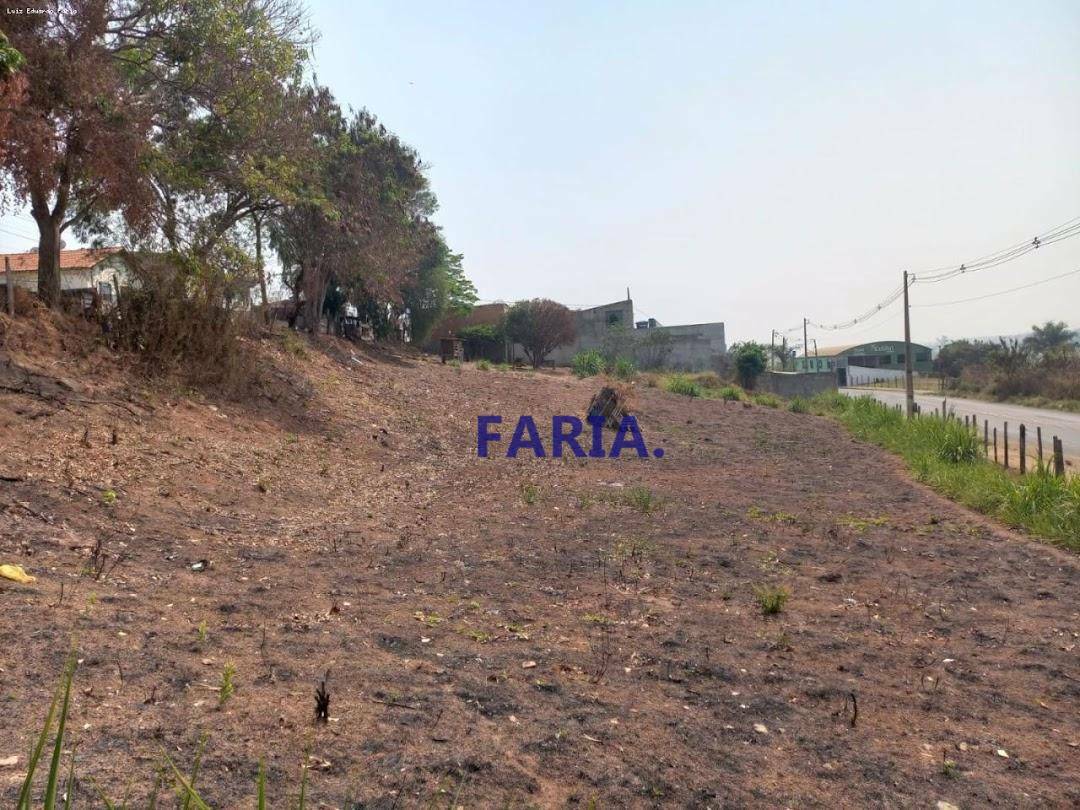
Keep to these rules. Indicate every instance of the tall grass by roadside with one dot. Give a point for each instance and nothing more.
(61, 785)
(948, 456)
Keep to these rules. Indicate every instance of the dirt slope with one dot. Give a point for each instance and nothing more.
(485, 650)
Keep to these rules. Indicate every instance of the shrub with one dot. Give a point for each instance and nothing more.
(587, 364)
(680, 384)
(750, 359)
(798, 405)
(731, 393)
(624, 369)
(182, 317)
(708, 379)
(768, 400)
(483, 365)
(770, 599)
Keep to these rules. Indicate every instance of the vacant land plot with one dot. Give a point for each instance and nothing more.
(538, 632)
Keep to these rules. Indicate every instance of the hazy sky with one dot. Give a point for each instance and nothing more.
(744, 162)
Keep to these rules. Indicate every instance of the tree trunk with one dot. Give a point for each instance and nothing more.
(262, 270)
(49, 261)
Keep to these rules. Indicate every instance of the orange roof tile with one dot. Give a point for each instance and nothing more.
(78, 259)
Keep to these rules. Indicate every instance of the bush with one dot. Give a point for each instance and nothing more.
(178, 318)
(707, 379)
(483, 365)
(587, 364)
(768, 400)
(771, 600)
(750, 360)
(731, 393)
(798, 405)
(679, 384)
(624, 369)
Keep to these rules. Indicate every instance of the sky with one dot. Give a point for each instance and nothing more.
(735, 161)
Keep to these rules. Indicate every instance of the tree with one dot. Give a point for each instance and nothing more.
(953, 357)
(73, 147)
(172, 113)
(1052, 340)
(367, 230)
(750, 359)
(540, 326)
(439, 287)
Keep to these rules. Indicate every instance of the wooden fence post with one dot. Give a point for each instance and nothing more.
(995, 445)
(1006, 445)
(1059, 458)
(1038, 444)
(1023, 449)
(9, 287)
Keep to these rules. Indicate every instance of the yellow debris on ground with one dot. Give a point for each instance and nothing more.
(16, 573)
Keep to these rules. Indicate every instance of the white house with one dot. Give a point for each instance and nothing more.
(83, 271)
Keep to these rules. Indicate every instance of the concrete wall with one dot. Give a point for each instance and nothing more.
(592, 326)
(695, 347)
(797, 384)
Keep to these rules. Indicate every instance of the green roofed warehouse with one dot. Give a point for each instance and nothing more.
(858, 363)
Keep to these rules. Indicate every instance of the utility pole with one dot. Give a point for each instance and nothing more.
(805, 348)
(772, 349)
(909, 382)
(10, 287)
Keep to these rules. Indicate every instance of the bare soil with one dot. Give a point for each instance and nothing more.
(521, 632)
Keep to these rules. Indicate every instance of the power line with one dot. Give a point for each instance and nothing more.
(1066, 230)
(10, 232)
(1002, 292)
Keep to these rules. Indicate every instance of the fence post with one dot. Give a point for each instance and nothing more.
(1006, 445)
(1023, 449)
(986, 437)
(1038, 444)
(995, 445)
(1059, 458)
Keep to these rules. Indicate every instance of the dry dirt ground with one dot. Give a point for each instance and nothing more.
(509, 632)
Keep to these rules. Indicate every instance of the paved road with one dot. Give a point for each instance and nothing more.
(1062, 424)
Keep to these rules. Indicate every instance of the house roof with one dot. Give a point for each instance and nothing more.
(833, 351)
(78, 259)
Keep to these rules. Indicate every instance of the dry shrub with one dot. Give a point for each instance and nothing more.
(708, 379)
(187, 321)
(613, 402)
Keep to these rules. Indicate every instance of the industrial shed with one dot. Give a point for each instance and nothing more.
(867, 362)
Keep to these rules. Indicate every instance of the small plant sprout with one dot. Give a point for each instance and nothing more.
(201, 632)
(771, 599)
(530, 493)
(322, 699)
(228, 686)
(108, 497)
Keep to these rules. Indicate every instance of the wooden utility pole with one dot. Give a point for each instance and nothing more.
(909, 382)
(805, 348)
(772, 349)
(9, 284)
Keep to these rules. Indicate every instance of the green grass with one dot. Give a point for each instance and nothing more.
(730, 393)
(770, 599)
(767, 400)
(948, 457)
(623, 369)
(483, 365)
(587, 364)
(680, 384)
(643, 500)
(59, 790)
(798, 405)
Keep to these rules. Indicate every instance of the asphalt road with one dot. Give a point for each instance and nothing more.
(1062, 424)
